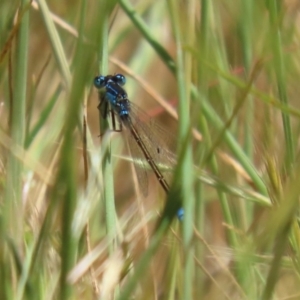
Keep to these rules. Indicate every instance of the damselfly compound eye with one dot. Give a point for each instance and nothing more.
(99, 82)
(120, 79)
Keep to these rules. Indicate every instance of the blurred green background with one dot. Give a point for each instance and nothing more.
(223, 78)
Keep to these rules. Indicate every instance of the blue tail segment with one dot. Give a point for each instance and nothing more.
(180, 214)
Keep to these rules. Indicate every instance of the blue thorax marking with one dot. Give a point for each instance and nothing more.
(123, 107)
(117, 98)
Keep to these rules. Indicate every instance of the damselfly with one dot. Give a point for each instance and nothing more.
(143, 138)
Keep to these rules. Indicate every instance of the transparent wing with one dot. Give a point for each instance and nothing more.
(140, 163)
(160, 141)
(157, 141)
